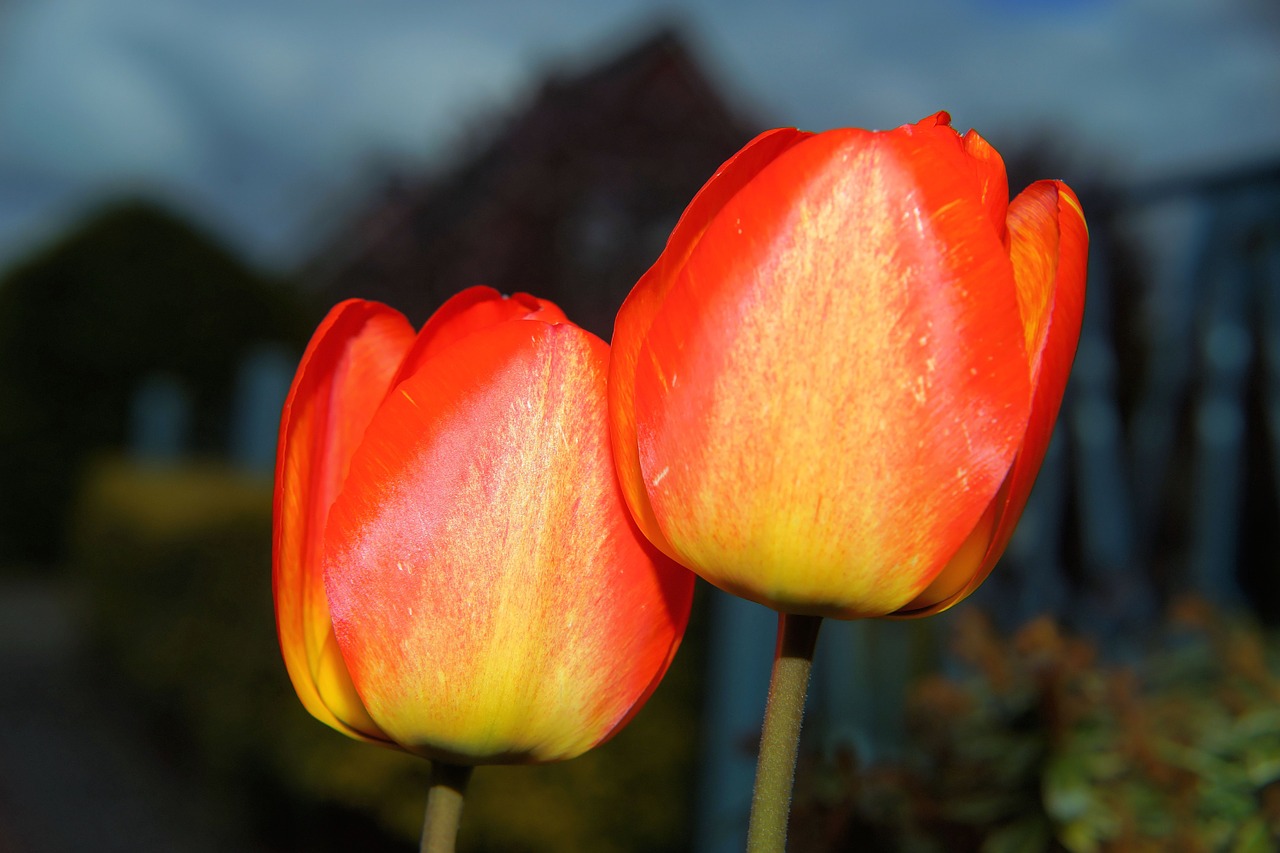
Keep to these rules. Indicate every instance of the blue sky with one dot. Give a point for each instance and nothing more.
(264, 119)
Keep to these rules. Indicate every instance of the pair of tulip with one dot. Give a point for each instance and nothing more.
(830, 395)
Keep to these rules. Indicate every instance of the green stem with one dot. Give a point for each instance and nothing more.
(444, 807)
(776, 766)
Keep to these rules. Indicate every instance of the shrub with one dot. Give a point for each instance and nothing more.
(1040, 745)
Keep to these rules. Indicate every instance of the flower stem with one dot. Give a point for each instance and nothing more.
(444, 807)
(776, 766)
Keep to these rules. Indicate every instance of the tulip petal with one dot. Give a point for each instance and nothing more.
(988, 166)
(493, 599)
(825, 400)
(972, 154)
(341, 380)
(961, 570)
(470, 311)
(1044, 217)
(1049, 245)
(636, 314)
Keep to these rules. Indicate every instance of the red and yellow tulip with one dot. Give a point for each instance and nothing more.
(455, 570)
(833, 390)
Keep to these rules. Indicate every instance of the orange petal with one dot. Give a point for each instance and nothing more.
(340, 381)
(469, 311)
(833, 391)
(1044, 217)
(633, 319)
(964, 571)
(988, 166)
(972, 154)
(491, 595)
(1049, 245)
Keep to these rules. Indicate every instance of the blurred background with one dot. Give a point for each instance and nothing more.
(187, 185)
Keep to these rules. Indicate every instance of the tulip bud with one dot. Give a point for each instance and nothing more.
(455, 570)
(833, 390)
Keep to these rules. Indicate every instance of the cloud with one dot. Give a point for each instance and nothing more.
(240, 109)
(254, 114)
(77, 105)
(1150, 82)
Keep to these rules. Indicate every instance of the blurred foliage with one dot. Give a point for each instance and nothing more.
(1040, 745)
(175, 565)
(1034, 743)
(132, 293)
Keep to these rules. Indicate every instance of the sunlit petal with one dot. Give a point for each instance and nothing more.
(825, 399)
(339, 384)
(491, 595)
(636, 314)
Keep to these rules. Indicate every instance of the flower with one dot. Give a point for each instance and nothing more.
(455, 571)
(833, 390)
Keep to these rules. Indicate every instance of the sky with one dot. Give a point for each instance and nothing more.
(265, 120)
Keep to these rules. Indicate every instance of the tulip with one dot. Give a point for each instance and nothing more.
(455, 570)
(833, 390)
